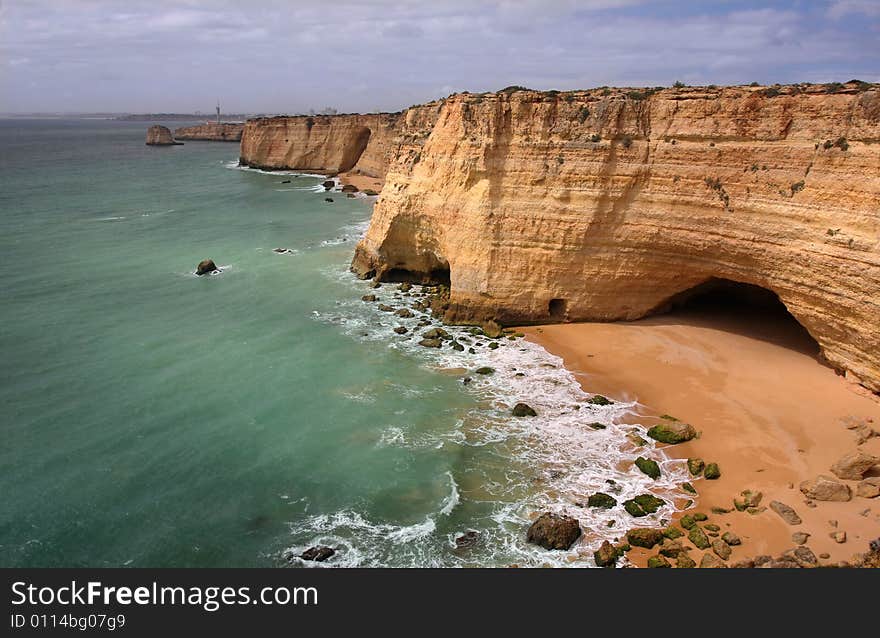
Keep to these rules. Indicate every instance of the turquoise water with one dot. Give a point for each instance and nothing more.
(155, 418)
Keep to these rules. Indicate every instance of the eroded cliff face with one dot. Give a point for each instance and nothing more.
(211, 131)
(158, 135)
(606, 204)
(366, 144)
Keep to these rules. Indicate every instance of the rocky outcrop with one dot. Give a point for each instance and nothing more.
(160, 136)
(211, 131)
(609, 204)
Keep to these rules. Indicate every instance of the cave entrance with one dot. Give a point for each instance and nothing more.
(557, 309)
(742, 308)
(435, 276)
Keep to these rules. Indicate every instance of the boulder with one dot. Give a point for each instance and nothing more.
(523, 410)
(644, 537)
(672, 432)
(329, 200)
(598, 399)
(853, 466)
(485, 370)
(160, 136)
(712, 472)
(684, 561)
(710, 561)
(370, 192)
(318, 553)
(698, 537)
(431, 343)
(206, 267)
(606, 555)
(350, 188)
(600, 499)
(838, 537)
(721, 549)
(455, 345)
(368, 298)
(642, 505)
(436, 333)
(405, 287)
(786, 513)
(405, 313)
(658, 561)
(826, 488)
(804, 556)
(554, 531)
(385, 307)
(672, 549)
(799, 538)
(731, 539)
(869, 488)
(696, 466)
(328, 184)
(649, 467)
(401, 330)
(492, 329)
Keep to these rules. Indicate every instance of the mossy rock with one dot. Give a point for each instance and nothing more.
(672, 533)
(493, 345)
(696, 466)
(597, 426)
(698, 537)
(687, 487)
(684, 561)
(687, 521)
(636, 440)
(649, 467)
(668, 417)
(658, 562)
(712, 471)
(600, 400)
(485, 370)
(644, 537)
(600, 499)
(721, 510)
(607, 554)
(642, 505)
(712, 527)
(672, 432)
(699, 516)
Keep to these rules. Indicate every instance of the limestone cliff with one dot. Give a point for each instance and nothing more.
(364, 144)
(211, 131)
(606, 204)
(160, 136)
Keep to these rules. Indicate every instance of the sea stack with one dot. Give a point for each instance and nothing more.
(160, 136)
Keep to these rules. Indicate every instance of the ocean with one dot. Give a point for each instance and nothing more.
(150, 417)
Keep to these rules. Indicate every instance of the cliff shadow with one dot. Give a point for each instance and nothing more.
(739, 308)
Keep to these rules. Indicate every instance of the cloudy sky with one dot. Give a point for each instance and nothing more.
(364, 55)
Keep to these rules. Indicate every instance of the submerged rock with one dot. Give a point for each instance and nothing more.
(318, 553)
(206, 267)
(469, 539)
(554, 531)
(350, 188)
(523, 410)
(600, 499)
(401, 330)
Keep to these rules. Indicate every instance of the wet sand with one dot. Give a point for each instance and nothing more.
(768, 412)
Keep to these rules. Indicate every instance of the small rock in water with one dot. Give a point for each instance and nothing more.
(328, 184)
(206, 267)
(600, 499)
(598, 399)
(485, 370)
(468, 539)
(368, 298)
(401, 330)
(328, 200)
(523, 410)
(431, 343)
(554, 531)
(318, 553)
(606, 555)
(649, 467)
(385, 308)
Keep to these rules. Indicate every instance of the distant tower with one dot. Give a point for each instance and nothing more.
(218, 111)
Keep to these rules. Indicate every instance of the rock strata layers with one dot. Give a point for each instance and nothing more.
(211, 131)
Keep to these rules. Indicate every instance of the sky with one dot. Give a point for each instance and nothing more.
(274, 56)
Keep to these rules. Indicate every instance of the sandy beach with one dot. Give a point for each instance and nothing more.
(363, 182)
(768, 412)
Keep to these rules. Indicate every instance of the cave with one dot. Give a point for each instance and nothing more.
(557, 309)
(435, 276)
(742, 308)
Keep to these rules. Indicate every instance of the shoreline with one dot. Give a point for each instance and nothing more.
(768, 412)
